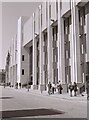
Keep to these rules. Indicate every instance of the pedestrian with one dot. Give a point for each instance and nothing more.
(53, 88)
(28, 87)
(49, 88)
(20, 85)
(59, 87)
(4, 85)
(82, 89)
(87, 87)
(71, 89)
(9, 84)
(16, 85)
(75, 89)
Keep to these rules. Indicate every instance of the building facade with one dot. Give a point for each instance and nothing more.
(11, 63)
(2, 76)
(52, 45)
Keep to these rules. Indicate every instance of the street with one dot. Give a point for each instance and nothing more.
(21, 103)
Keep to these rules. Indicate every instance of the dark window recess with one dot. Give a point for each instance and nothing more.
(22, 57)
(22, 71)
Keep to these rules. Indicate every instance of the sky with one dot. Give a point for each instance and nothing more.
(11, 11)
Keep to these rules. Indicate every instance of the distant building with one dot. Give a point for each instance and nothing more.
(53, 45)
(2, 76)
(7, 67)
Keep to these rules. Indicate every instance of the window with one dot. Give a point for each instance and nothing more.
(83, 77)
(66, 54)
(81, 21)
(41, 20)
(82, 48)
(22, 71)
(22, 57)
(66, 30)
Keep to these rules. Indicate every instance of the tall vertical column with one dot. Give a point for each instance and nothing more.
(1, 54)
(87, 41)
(19, 37)
(59, 42)
(72, 44)
(44, 61)
(75, 45)
(42, 86)
(61, 56)
(49, 30)
(87, 35)
(34, 56)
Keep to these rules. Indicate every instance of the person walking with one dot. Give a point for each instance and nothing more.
(75, 89)
(71, 89)
(82, 89)
(49, 88)
(87, 90)
(28, 87)
(20, 85)
(16, 85)
(59, 87)
(53, 88)
(4, 85)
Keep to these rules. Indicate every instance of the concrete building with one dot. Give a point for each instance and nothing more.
(7, 67)
(13, 61)
(52, 45)
(2, 76)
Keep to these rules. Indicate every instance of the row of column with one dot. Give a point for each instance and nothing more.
(74, 48)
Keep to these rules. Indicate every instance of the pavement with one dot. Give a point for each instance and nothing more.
(34, 104)
(64, 96)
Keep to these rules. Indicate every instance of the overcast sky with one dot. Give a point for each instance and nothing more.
(11, 11)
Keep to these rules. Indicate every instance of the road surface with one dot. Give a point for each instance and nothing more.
(20, 103)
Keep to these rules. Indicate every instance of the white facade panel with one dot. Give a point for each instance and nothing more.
(11, 53)
(25, 66)
(14, 50)
(27, 32)
(53, 11)
(44, 16)
(77, 1)
(37, 21)
(83, 1)
(65, 7)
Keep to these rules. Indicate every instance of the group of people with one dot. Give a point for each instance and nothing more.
(58, 87)
(52, 88)
(73, 88)
(16, 85)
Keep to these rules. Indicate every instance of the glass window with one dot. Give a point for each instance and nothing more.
(66, 54)
(82, 49)
(22, 57)
(22, 71)
(66, 30)
(81, 21)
